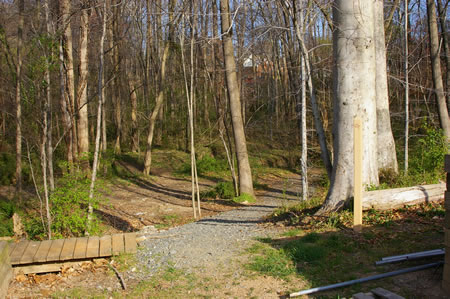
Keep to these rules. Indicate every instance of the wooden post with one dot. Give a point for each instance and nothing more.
(358, 191)
(446, 275)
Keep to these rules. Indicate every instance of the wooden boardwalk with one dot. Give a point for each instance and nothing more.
(62, 250)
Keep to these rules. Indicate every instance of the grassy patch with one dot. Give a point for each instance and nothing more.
(244, 198)
(325, 250)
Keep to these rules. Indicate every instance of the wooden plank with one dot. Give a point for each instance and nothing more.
(93, 247)
(385, 294)
(16, 255)
(105, 246)
(29, 253)
(42, 252)
(68, 249)
(118, 244)
(55, 250)
(44, 268)
(363, 296)
(130, 243)
(12, 245)
(358, 188)
(80, 248)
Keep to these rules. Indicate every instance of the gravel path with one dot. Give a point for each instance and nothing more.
(214, 240)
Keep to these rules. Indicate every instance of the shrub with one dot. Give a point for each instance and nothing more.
(225, 190)
(7, 210)
(7, 168)
(69, 204)
(429, 151)
(205, 165)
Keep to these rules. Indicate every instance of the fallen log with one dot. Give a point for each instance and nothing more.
(398, 198)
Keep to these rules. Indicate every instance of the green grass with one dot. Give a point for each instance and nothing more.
(325, 250)
(244, 198)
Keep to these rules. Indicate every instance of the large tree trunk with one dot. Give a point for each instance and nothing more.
(245, 173)
(436, 69)
(387, 157)
(83, 131)
(354, 95)
(21, 6)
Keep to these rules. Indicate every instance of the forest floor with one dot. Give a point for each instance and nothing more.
(213, 257)
(157, 205)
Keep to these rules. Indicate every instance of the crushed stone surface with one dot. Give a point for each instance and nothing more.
(215, 240)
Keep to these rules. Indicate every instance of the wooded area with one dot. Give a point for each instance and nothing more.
(85, 80)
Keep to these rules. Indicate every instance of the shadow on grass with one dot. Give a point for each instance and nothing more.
(332, 255)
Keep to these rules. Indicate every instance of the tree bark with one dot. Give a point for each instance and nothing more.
(21, 7)
(244, 170)
(387, 156)
(354, 95)
(436, 69)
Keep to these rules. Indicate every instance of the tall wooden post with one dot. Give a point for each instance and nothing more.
(358, 188)
(446, 276)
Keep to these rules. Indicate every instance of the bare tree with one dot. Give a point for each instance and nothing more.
(245, 173)
(82, 96)
(160, 97)
(21, 7)
(68, 78)
(436, 69)
(101, 94)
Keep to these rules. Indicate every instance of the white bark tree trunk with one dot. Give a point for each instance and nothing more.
(354, 95)
(387, 157)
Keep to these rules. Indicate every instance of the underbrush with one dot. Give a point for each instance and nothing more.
(7, 210)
